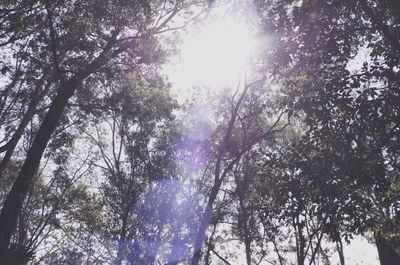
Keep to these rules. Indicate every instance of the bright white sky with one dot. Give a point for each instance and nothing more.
(215, 55)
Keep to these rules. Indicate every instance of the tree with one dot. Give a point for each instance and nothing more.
(76, 41)
(135, 139)
(349, 111)
(245, 109)
(100, 165)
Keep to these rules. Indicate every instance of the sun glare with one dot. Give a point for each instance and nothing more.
(218, 52)
(216, 55)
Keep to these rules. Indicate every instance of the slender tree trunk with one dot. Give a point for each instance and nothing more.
(205, 221)
(4, 94)
(317, 249)
(280, 258)
(210, 247)
(247, 243)
(30, 112)
(247, 238)
(245, 216)
(208, 252)
(386, 252)
(14, 201)
(122, 242)
(16, 136)
(218, 179)
(339, 247)
(300, 241)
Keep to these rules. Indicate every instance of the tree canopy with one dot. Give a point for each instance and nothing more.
(102, 164)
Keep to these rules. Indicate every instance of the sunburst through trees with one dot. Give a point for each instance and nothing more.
(199, 132)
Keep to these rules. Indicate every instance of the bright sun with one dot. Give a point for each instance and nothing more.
(215, 55)
(218, 52)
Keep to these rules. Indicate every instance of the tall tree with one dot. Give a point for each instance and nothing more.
(245, 109)
(136, 139)
(76, 40)
(349, 108)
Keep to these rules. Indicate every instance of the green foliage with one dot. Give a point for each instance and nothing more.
(304, 155)
(347, 158)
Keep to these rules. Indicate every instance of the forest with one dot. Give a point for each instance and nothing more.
(289, 160)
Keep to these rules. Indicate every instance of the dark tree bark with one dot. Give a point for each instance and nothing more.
(15, 198)
(222, 170)
(30, 112)
(386, 252)
(205, 221)
(218, 179)
(300, 241)
(339, 246)
(13, 204)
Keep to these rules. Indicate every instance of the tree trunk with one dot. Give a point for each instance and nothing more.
(247, 243)
(30, 112)
(205, 221)
(386, 252)
(218, 179)
(339, 246)
(247, 238)
(245, 216)
(300, 241)
(210, 244)
(13, 203)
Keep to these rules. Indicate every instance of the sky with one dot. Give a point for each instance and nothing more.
(214, 54)
(361, 252)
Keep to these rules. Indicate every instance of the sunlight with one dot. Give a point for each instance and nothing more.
(215, 55)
